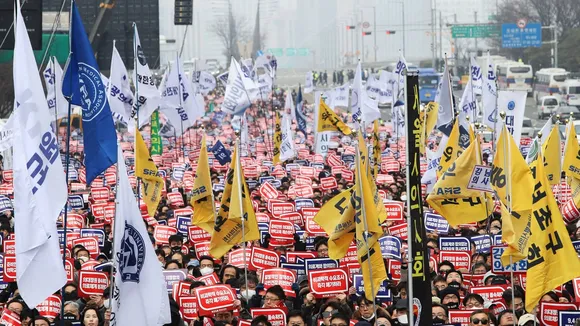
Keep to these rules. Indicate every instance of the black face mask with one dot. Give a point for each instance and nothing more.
(70, 296)
(176, 249)
(454, 285)
(453, 305)
(69, 316)
(438, 321)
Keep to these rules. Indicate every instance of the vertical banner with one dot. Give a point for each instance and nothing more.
(417, 236)
(156, 145)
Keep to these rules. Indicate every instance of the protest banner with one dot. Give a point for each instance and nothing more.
(92, 283)
(394, 210)
(50, 308)
(162, 233)
(279, 276)
(549, 312)
(283, 230)
(459, 259)
(236, 257)
(311, 264)
(173, 276)
(276, 316)
(197, 234)
(263, 258)
(390, 247)
(214, 298)
(328, 282)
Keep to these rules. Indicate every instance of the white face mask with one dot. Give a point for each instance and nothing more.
(247, 294)
(206, 271)
(84, 259)
(107, 303)
(404, 198)
(403, 319)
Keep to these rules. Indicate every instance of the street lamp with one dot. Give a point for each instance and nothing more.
(402, 3)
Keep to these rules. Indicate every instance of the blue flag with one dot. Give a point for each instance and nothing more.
(82, 85)
(300, 118)
(221, 153)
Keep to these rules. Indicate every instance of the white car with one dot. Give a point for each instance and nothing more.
(547, 106)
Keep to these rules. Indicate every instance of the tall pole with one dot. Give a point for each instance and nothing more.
(475, 20)
(375, 31)
(433, 42)
(404, 32)
(440, 35)
(555, 47)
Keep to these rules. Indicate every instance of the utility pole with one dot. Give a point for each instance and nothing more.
(433, 45)
(475, 17)
(375, 31)
(440, 36)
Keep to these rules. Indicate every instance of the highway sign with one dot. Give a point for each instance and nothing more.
(276, 51)
(290, 52)
(303, 52)
(475, 31)
(513, 36)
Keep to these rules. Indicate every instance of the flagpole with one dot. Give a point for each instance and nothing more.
(239, 190)
(181, 107)
(112, 276)
(472, 93)
(507, 162)
(137, 107)
(363, 212)
(56, 126)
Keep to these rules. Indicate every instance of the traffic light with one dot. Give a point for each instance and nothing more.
(183, 12)
(366, 33)
(350, 26)
(391, 32)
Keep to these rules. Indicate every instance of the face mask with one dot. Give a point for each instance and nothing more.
(403, 319)
(404, 198)
(69, 316)
(453, 305)
(247, 294)
(84, 259)
(70, 296)
(206, 271)
(454, 285)
(176, 249)
(107, 303)
(438, 321)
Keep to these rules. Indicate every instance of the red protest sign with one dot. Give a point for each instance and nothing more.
(338, 169)
(262, 218)
(385, 179)
(279, 276)
(263, 258)
(201, 249)
(459, 259)
(292, 255)
(210, 279)
(162, 233)
(399, 231)
(308, 171)
(395, 211)
(100, 193)
(328, 183)
(214, 298)
(268, 191)
(549, 312)
(394, 268)
(10, 318)
(90, 243)
(92, 283)
(576, 284)
(350, 257)
(175, 199)
(98, 210)
(276, 316)
(180, 289)
(111, 178)
(197, 234)
(460, 317)
(293, 217)
(10, 247)
(312, 227)
(75, 221)
(9, 269)
(489, 293)
(390, 166)
(50, 308)
(236, 257)
(304, 191)
(328, 282)
(281, 208)
(188, 307)
(303, 181)
(8, 176)
(348, 175)
(280, 229)
(69, 269)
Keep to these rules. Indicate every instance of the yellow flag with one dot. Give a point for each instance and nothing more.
(552, 153)
(452, 150)
(571, 154)
(336, 217)
(508, 158)
(450, 196)
(277, 139)
(146, 170)
(552, 259)
(201, 197)
(236, 208)
(376, 149)
(329, 121)
(368, 232)
(515, 232)
(431, 112)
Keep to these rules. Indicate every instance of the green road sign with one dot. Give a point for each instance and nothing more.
(303, 52)
(475, 31)
(290, 52)
(276, 51)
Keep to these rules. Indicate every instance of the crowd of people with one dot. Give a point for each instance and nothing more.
(451, 285)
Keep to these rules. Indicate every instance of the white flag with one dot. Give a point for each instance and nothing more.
(513, 103)
(57, 104)
(40, 190)
(446, 112)
(289, 105)
(398, 121)
(489, 97)
(468, 103)
(119, 92)
(538, 142)
(356, 95)
(149, 95)
(287, 145)
(387, 81)
(400, 74)
(264, 84)
(340, 96)
(205, 81)
(184, 111)
(309, 84)
(6, 134)
(140, 289)
(268, 63)
(476, 77)
(236, 98)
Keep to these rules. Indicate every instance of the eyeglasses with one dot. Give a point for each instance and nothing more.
(271, 299)
(478, 321)
(327, 314)
(474, 305)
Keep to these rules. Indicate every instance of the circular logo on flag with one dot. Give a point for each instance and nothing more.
(92, 91)
(131, 255)
(141, 56)
(511, 105)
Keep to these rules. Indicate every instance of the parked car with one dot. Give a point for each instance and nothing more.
(565, 111)
(456, 83)
(528, 128)
(547, 105)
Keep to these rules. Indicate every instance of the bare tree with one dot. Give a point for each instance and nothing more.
(231, 30)
(6, 90)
